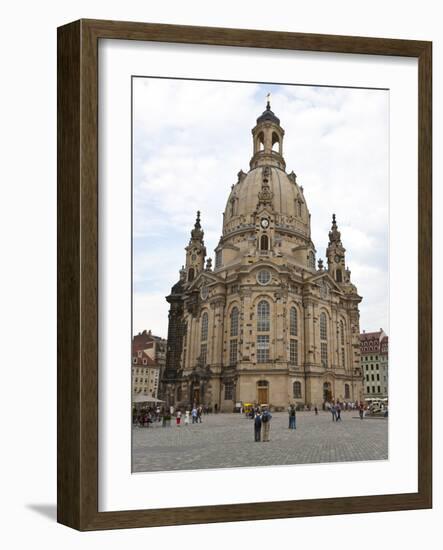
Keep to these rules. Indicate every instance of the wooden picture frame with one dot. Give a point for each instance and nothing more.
(77, 456)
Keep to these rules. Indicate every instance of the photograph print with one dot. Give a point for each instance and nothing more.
(260, 274)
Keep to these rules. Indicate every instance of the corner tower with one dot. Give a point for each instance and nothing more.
(335, 254)
(195, 251)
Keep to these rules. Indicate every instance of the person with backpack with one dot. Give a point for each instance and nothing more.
(266, 421)
(257, 426)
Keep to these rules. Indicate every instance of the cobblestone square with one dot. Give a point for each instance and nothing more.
(227, 441)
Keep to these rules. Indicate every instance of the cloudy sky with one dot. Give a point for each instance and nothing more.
(190, 140)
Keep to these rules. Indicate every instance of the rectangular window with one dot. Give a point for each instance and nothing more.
(368, 389)
(203, 353)
(343, 358)
(373, 389)
(378, 389)
(324, 354)
(218, 258)
(263, 324)
(367, 378)
(262, 349)
(233, 352)
(293, 351)
(229, 391)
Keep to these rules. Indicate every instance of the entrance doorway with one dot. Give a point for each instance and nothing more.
(196, 396)
(263, 392)
(327, 392)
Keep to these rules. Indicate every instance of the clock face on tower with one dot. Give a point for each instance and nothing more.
(337, 259)
(264, 223)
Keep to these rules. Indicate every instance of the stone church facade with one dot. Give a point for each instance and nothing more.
(267, 324)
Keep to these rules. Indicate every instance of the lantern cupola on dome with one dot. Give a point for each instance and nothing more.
(268, 140)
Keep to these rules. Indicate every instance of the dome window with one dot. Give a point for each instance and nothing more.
(218, 258)
(311, 260)
(264, 242)
(263, 277)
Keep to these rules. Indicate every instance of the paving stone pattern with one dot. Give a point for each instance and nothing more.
(227, 441)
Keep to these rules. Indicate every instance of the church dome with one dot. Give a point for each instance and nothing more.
(287, 200)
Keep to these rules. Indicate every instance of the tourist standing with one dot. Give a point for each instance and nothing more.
(316, 410)
(194, 415)
(266, 422)
(186, 418)
(338, 409)
(360, 411)
(292, 417)
(334, 413)
(178, 417)
(257, 426)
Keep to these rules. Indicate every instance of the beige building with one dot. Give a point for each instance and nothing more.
(145, 374)
(154, 346)
(266, 324)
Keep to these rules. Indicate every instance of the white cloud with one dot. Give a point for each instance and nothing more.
(190, 140)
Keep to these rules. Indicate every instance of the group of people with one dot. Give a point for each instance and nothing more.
(146, 416)
(336, 408)
(194, 416)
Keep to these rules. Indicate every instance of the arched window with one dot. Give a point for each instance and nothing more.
(342, 345)
(263, 325)
(342, 333)
(264, 242)
(293, 324)
(234, 322)
(191, 274)
(263, 322)
(324, 339)
(323, 326)
(233, 343)
(347, 391)
(204, 327)
(338, 276)
(275, 142)
(260, 142)
(293, 331)
(296, 390)
(204, 338)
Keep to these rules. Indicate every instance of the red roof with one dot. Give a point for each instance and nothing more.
(143, 360)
